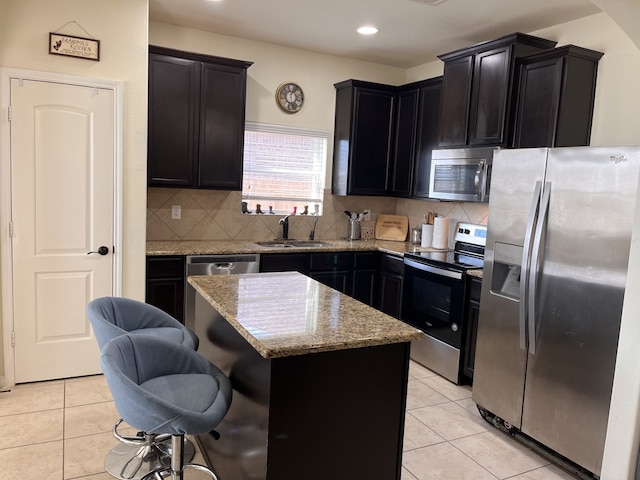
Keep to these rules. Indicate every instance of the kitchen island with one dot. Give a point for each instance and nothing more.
(320, 379)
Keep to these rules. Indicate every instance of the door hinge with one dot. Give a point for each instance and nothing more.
(10, 229)
(10, 113)
(13, 339)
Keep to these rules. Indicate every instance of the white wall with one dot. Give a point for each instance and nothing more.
(121, 26)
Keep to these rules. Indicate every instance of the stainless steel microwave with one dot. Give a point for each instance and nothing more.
(461, 174)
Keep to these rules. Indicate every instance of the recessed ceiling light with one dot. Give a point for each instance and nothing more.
(367, 30)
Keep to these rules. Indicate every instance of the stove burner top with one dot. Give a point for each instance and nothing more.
(468, 253)
(456, 260)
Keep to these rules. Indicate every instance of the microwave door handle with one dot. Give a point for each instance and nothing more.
(524, 267)
(535, 260)
(477, 183)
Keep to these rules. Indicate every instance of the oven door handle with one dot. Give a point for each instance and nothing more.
(431, 269)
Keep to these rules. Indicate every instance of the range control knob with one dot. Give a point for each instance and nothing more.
(454, 327)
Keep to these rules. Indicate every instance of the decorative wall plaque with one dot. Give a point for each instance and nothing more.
(71, 46)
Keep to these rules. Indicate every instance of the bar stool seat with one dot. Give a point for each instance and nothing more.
(166, 388)
(111, 317)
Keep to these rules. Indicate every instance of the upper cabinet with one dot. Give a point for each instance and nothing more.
(384, 136)
(477, 91)
(556, 91)
(363, 137)
(196, 120)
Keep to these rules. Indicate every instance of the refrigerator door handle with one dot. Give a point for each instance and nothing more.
(524, 267)
(533, 279)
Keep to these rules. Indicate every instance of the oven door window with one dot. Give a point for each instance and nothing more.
(435, 305)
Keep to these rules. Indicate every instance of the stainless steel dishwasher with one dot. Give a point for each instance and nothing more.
(214, 265)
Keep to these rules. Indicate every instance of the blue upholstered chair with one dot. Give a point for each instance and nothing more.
(111, 317)
(115, 316)
(162, 387)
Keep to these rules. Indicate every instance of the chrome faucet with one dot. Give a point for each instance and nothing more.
(284, 221)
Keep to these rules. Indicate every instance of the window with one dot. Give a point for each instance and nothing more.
(284, 169)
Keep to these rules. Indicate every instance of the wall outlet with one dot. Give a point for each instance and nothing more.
(176, 212)
(367, 215)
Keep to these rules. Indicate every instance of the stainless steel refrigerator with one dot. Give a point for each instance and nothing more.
(559, 233)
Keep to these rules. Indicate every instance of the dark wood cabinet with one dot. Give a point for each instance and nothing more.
(454, 106)
(363, 138)
(352, 273)
(333, 269)
(365, 277)
(472, 315)
(165, 284)
(556, 91)
(406, 120)
(196, 120)
(477, 103)
(426, 135)
(284, 262)
(391, 282)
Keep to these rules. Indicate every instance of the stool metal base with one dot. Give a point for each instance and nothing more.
(128, 462)
(178, 464)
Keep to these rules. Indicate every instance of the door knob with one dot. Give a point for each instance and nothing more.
(102, 251)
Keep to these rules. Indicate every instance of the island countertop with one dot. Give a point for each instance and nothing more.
(286, 313)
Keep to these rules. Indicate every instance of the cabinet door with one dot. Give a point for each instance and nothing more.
(365, 277)
(222, 112)
(285, 262)
(427, 136)
(490, 97)
(173, 121)
(391, 283)
(454, 109)
(371, 142)
(339, 280)
(473, 313)
(539, 90)
(405, 134)
(165, 285)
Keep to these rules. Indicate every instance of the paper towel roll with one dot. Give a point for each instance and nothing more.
(441, 232)
(427, 235)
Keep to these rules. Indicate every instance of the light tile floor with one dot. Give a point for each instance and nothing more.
(61, 430)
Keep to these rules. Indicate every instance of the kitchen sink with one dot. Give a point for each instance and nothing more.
(292, 244)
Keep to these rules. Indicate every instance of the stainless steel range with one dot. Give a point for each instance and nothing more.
(434, 297)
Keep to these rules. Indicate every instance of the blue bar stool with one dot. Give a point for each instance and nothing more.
(162, 387)
(112, 317)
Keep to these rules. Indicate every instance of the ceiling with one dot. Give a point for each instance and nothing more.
(411, 32)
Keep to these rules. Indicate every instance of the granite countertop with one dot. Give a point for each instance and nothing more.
(229, 247)
(285, 314)
(232, 247)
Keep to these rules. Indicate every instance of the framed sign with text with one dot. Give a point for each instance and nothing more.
(71, 46)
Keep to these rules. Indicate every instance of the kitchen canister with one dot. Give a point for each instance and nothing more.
(416, 235)
(427, 235)
(441, 232)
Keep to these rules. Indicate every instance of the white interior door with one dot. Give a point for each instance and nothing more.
(62, 207)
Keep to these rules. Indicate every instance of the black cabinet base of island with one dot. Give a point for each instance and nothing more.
(330, 414)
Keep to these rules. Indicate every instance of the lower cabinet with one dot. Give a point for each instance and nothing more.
(391, 281)
(472, 313)
(352, 273)
(165, 284)
(332, 269)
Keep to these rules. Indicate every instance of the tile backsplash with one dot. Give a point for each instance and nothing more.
(217, 215)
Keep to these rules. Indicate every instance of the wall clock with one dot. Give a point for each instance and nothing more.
(289, 97)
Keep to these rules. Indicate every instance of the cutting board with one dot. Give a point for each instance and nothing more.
(392, 227)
